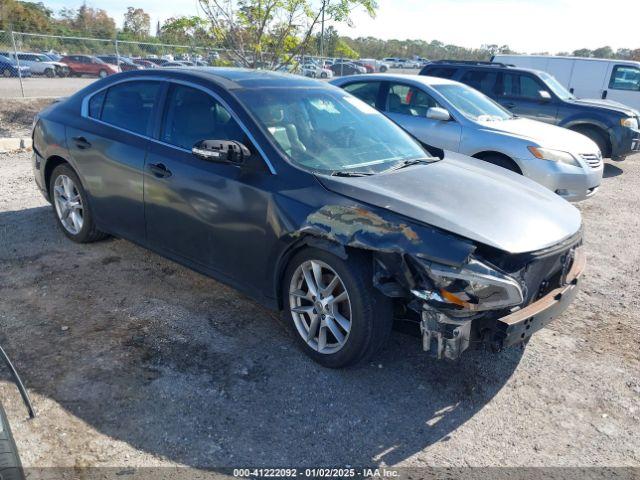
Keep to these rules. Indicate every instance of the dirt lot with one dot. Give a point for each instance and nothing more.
(132, 360)
(16, 115)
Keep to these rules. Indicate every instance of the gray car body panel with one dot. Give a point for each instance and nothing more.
(469, 198)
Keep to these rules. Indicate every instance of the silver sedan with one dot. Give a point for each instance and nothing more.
(452, 116)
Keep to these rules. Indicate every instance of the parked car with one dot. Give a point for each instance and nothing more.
(538, 95)
(39, 64)
(9, 68)
(378, 65)
(144, 63)
(311, 202)
(452, 116)
(616, 80)
(346, 68)
(125, 64)
(175, 64)
(367, 66)
(88, 65)
(156, 61)
(393, 61)
(313, 70)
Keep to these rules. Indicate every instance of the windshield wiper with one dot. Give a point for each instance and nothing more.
(350, 174)
(408, 163)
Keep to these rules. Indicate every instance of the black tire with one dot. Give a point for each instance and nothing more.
(598, 136)
(323, 75)
(50, 72)
(6, 73)
(88, 233)
(383, 69)
(501, 161)
(371, 311)
(10, 465)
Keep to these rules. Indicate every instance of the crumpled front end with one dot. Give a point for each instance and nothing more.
(461, 294)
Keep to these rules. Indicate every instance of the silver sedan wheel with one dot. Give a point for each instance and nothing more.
(320, 306)
(68, 203)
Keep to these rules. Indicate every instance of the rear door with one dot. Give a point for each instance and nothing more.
(589, 78)
(408, 105)
(108, 144)
(483, 80)
(624, 85)
(525, 95)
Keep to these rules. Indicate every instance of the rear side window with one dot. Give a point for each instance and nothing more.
(442, 72)
(95, 104)
(483, 80)
(521, 86)
(193, 115)
(625, 77)
(130, 105)
(365, 91)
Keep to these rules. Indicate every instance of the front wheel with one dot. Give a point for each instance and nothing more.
(50, 72)
(6, 73)
(102, 73)
(323, 75)
(71, 206)
(338, 317)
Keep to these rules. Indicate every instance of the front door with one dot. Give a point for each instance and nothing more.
(624, 85)
(407, 106)
(526, 96)
(210, 214)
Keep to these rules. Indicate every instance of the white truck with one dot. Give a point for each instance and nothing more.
(616, 80)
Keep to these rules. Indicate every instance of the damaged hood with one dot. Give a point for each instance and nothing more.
(470, 198)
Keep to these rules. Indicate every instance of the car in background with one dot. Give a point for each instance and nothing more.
(617, 80)
(88, 65)
(176, 64)
(313, 70)
(313, 203)
(52, 56)
(367, 66)
(378, 65)
(144, 63)
(156, 60)
(534, 94)
(452, 116)
(9, 68)
(125, 64)
(341, 68)
(394, 62)
(39, 64)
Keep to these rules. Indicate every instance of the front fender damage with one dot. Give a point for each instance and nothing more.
(396, 247)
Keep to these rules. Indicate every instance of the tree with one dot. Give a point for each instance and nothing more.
(187, 30)
(270, 33)
(583, 52)
(603, 52)
(24, 16)
(93, 22)
(137, 23)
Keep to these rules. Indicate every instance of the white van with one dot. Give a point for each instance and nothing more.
(617, 80)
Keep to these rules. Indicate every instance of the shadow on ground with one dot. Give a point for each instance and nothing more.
(611, 171)
(180, 366)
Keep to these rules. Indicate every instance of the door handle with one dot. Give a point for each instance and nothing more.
(159, 170)
(510, 106)
(82, 143)
(604, 94)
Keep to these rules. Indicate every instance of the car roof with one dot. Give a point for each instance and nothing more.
(388, 77)
(471, 66)
(235, 78)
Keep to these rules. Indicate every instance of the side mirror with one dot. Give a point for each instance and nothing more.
(440, 114)
(221, 151)
(544, 95)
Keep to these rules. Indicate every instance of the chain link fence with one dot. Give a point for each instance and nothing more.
(39, 65)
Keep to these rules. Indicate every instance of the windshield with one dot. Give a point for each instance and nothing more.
(327, 131)
(473, 104)
(556, 87)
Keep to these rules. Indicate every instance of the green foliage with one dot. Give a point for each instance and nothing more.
(137, 23)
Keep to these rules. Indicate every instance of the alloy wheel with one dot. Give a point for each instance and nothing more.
(68, 203)
(320, 306)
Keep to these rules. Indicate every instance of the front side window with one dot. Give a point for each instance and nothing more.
(193, 115)
(365, 91)
(409, 100)
(556, 87)
(130, 106)
(326, 130)
(472, 103)
(522, 86)
(625, 77)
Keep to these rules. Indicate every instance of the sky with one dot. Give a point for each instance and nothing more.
(527, 26)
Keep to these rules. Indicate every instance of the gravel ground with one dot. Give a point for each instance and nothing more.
(16, 115)
(132, 361)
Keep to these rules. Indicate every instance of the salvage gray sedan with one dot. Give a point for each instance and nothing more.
(453, 116)
(308, 200)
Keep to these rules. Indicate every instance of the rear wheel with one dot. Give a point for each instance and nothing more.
(71, 206)
(50, 72)
(6, 73)
(102, 73)
(338, 317)
(10, 466)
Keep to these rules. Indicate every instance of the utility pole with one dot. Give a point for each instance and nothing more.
(324, 4)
